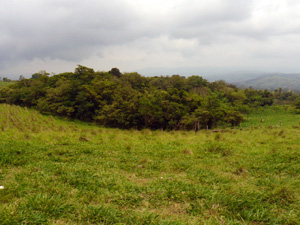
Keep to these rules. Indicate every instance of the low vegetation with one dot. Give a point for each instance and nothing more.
(58, 171)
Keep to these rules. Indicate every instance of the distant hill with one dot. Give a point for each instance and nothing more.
(271, 81)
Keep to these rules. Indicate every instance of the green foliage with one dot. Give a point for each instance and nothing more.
(7, 80)
(297, 103)
(130, 100)
(5, 93)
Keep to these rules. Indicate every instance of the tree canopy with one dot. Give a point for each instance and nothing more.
(130, 100)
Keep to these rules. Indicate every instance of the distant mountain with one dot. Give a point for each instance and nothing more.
(234, 77)
(258, 80)
(272, 81)
(239, 77)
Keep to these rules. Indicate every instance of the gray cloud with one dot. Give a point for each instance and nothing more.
(148, 34)
(62, 29)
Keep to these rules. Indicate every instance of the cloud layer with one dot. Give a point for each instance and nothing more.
(142, 35)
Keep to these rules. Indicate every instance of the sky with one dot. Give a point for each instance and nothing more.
(152, 37)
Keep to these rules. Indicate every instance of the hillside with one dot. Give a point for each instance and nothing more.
(273, 81)
(64, 172)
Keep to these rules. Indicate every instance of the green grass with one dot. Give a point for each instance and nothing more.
(5, 84)
(272, 116)
(62, 172)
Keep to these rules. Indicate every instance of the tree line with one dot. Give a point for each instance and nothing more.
(129, 100)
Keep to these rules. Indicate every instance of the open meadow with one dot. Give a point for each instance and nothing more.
(56, 171)
(5, 84)
(272, 116)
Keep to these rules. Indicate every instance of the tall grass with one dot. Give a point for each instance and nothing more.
(65, 172)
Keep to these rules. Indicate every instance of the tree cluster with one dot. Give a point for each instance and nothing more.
(129, 100)
(5, 79)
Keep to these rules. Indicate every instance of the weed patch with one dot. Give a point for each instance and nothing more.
(222, 149)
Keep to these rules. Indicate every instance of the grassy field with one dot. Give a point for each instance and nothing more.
(272, 116)
(62, 172)
(5, 84)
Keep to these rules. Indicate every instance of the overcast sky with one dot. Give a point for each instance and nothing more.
(152, 37)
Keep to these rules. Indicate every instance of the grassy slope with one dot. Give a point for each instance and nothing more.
(60, 172)
(5, 84)
(272, 116)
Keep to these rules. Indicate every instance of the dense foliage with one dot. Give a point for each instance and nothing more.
(130, 100)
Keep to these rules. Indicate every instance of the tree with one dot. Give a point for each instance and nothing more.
(83, 74)
(58, 100)
(234, 117)
(297, 104)
(5, 94)
(122, 111)
(135, 80)
(5, 79)
(196, 81)
(40, 74)
(115, 72)
(150, 108)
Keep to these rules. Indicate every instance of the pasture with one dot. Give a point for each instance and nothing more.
(272, 116)
(56, 171)
(5, 84)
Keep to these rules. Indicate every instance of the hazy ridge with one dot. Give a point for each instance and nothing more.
(270, 81)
